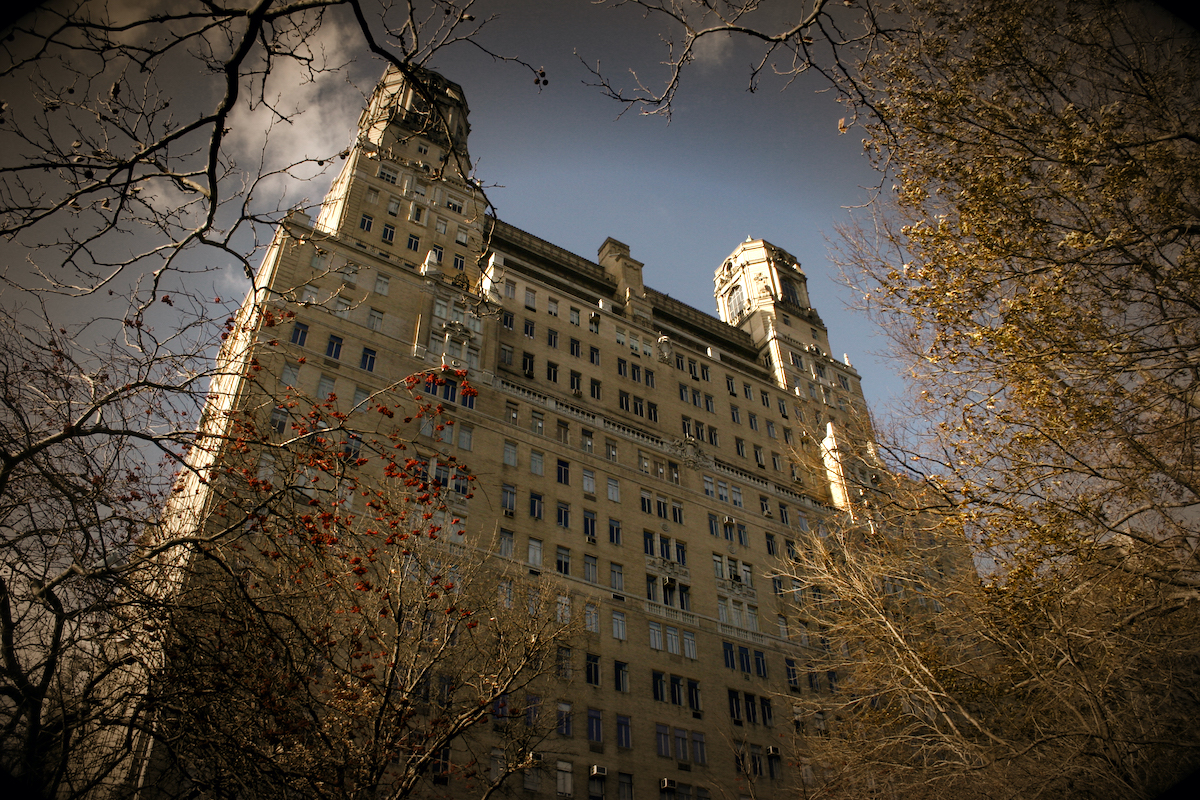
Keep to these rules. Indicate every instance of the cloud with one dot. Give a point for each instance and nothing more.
(713, 50)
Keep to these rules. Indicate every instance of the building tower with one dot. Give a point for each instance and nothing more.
(659, 462)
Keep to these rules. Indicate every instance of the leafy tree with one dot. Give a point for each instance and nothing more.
(1034, 259)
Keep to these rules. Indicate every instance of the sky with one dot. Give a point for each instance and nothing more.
(564, 164)
(730, 165)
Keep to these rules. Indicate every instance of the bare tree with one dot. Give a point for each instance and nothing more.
(1035, 265)
(141, 179)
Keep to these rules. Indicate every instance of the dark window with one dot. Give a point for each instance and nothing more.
(334, 348)
(300, 334)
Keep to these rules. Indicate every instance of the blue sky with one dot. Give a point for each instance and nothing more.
(730, 164)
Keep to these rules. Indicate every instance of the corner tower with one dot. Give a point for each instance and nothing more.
(405, 192)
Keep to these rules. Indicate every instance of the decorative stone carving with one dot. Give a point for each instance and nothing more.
(690, 453)
(664, 349)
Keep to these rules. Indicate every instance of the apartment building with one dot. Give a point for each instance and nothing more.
(659, 461)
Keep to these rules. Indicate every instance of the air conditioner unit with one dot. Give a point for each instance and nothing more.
(508, 512)
(668, 581)
(667, 784)
(535, 757)
(730, 520)
(767, 512)
(772, 750)
(598, 771)
(735, 578)
(591, 540)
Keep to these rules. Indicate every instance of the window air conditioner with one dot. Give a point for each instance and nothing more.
(772, 750)
(535, 757)
(508, 512)
(598, 771)
(667, 784)
(730, 520)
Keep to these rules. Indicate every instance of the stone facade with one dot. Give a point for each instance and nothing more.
(660, 461)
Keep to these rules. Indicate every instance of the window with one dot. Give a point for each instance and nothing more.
(616, 577)
(621, 676)
(595, 721)
(622, 368)
(564, 472)
(589, 482)
(506, 319)
(753, 418)
(594, 322)
(576, 348)
(564, 515)
(672, 640)
(368, 360)
(535, 552)
(614, 531)
(594, 355)
(589, 525)
(535, 505)
(562, 560)
(536, 460)
(656, 637)
(646, 503)
(618, 625)
(552, 337)
(529, 328)
(591, 618)
(387, 174)
(538, 423)
(590, 568)
(677, 516)
(333, 349)
(508, 499)
(610, 449)
(625, 739)
(563, 662)
(414, 242)
(389, 235)
(592, 671)
(365, 222)
(564, 719)
(506, 543)
(460, 263)
(299, 334)
(375, 319)
(595, 389)
(760, 663)
(662, 739)
(699, 755)
(614, 490)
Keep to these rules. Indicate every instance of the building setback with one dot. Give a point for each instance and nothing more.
(659, 461)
